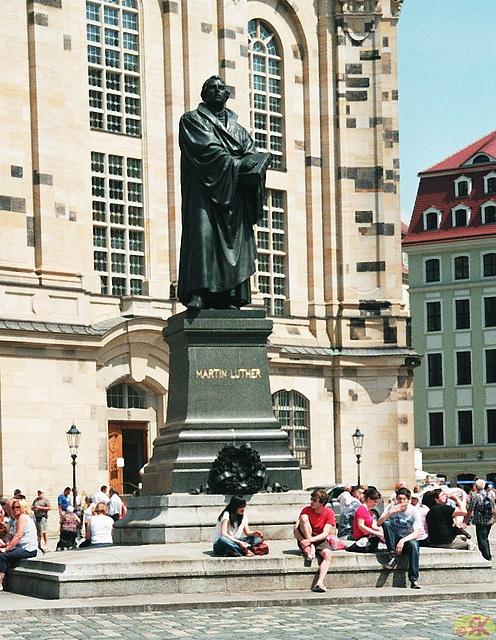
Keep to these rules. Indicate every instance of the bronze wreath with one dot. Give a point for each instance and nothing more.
(237, 469)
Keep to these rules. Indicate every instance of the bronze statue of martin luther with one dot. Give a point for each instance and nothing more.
(222, 184)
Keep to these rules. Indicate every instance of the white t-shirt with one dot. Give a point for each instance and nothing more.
(100, 497)
(236, 532)
(101, 529)
(345, 499)
(114, 505)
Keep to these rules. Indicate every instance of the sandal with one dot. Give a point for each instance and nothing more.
(318, 588)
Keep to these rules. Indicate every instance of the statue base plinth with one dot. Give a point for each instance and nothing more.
(219, 394)
(181, 517)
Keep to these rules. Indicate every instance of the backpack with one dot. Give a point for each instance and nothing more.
(486, 508)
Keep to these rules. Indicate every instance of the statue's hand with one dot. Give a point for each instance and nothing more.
(247, 163)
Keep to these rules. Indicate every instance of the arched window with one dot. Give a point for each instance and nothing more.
(490, 183)
(460, 216)
(432, 219)
(113, 66)
(463, 186)
(461, 268)
(481, 158)
(489, 265)
(127, 396)
(292, 410)
(489, 212)
(432, 270)
(266, 110)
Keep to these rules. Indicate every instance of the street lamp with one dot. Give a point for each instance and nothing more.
(73, 438)
(358, 446)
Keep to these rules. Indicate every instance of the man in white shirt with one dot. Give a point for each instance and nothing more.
(345, 498)
(114, 505)
(101, 496)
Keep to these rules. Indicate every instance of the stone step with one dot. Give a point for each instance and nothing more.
(192, 568)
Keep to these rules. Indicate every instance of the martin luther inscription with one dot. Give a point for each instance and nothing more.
(231, 374)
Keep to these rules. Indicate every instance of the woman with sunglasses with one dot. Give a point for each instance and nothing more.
(22, 541)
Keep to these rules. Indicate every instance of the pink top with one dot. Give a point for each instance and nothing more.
(364, 514)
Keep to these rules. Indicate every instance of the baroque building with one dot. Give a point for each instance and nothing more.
(92, 92)
(452, 272)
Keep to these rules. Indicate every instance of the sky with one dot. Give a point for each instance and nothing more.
(447, 83)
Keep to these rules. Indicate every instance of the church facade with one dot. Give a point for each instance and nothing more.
(92, 93)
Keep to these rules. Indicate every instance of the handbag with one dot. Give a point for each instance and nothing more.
(261, 549)
(364, 545)
(336, 543)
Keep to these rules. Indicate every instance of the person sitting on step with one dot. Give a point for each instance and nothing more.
(232, 536)
(312, 529)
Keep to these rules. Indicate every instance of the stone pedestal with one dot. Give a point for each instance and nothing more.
(219, 394)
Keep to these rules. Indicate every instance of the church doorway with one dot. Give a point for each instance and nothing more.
(128, 452)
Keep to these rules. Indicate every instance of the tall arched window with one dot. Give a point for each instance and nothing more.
(266, 111)
(292, 410)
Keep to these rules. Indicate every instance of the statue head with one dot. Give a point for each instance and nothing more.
(214, 92)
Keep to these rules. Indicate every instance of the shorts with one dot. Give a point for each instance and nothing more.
(320, 546)
(42, 525)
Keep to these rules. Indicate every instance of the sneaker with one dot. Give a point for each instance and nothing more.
(392, 564)
(414, 584)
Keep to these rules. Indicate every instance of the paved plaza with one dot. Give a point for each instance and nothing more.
(409, 620)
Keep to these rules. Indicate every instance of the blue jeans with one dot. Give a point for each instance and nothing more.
(10, 558)
(226, 547)
(411, 548)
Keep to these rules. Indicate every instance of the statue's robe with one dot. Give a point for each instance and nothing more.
(218, 248)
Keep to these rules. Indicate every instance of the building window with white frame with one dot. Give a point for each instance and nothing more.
(434, 369)
(292, 410)
(127, 396)
(118, 224)
(460, 216)
(436, 429)
(114, 66)
(491, 425)
(463, 186)
(266, 108)
(490, 311)
(432, 219)
(463, 368)
(490, 183)
(462, 313)
(489, 265)
(433, 270)
(461, 268)
(433, 316)
(465, 427)
(490, 361)
(488, 212)
(270, 234)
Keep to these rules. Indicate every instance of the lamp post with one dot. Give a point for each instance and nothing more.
(358, 446)
(73, 438)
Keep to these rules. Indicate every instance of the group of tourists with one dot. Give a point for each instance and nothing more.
(437, 518)
(24, 527)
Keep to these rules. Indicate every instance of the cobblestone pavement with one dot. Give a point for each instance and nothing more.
(402, 621)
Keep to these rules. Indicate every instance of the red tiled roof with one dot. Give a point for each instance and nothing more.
(487, 145)
(438, 192)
